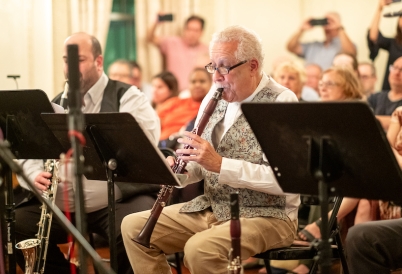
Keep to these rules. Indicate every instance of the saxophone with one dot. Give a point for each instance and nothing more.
(35, 250)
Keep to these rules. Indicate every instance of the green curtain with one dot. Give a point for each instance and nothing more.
(120, 43)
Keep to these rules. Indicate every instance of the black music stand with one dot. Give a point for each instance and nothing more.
(117, 144)
(340, 146)
(28, 135)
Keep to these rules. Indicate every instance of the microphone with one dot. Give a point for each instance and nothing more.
(63, 100)
(393, 14)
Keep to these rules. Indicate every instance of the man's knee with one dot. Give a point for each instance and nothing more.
(197, 247)
(132, 224)
(358, 236)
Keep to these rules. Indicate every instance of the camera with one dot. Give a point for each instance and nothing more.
(319, 22)
(165, 17)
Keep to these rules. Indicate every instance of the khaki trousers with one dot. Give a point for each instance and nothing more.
(204, 240)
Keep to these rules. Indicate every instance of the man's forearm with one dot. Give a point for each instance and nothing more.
(151, 35)
(346, 43)
(294, 43)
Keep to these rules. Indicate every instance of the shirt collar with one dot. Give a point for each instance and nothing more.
(95, 93)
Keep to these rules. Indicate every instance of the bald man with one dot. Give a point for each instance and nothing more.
(100, 94)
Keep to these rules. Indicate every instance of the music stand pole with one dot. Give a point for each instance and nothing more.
(76, 126)
(10, 221)
(10, 209)
(110, 164)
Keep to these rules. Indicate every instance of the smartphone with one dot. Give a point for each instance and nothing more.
(396, 1)
(319, 22)
(165, 17)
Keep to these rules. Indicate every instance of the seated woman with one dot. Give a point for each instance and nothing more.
(177, 112)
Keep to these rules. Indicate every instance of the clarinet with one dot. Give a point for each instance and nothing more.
(179, 167)
(234, 266)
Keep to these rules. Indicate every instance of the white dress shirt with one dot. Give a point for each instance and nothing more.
(239, 173)
(95, 192)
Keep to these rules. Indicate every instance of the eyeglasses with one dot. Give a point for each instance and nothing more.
(328, 84)
(222, 70)
(366, 77)
(394, 69)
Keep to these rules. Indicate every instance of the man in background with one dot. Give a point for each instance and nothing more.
(384, 103)
(181, 53)
(128, 72)
(322, 52)
(368, 77)
(313, 76)
(100, 94)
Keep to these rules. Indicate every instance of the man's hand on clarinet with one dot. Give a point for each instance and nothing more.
(42, 180)
(201, 152)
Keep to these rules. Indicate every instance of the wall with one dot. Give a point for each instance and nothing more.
(26, 44)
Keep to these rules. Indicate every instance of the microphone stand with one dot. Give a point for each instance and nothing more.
(7, 156)
(15, 78)
(76, 126)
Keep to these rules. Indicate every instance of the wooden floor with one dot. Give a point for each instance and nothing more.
(104, 253)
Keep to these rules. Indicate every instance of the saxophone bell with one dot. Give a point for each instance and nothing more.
(29, 249)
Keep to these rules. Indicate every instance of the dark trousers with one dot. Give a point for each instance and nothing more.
(375, 247)
(27, 216)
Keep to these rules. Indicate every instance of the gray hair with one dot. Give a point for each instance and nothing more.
(249, 43)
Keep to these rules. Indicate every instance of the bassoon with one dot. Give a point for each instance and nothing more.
(235, 266)
(179, 167)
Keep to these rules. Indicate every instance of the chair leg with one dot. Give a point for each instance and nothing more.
(341, 254)
(314, 267)
(268, 266)
(92, 243)
(178, 262)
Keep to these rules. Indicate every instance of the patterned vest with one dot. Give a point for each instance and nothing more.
(239, 143)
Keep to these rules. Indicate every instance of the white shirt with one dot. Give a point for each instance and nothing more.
(95, 192)
(239, 173)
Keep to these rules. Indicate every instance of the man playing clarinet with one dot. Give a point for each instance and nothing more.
(229, 159)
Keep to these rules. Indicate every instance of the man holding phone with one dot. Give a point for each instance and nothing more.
(182, 54)
(322, 53)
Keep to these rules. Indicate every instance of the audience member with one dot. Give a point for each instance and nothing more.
(146, 88)
(376, 247)
(313, 76)
(125, 71)
(392, 45)
(121, 70)
(177, 112)
(346, 60)
(100, 94)
(181, 53)
(384, 103)
(164, 87)
(291, 76)
(322, 53)
(230, 159)
(368, 77)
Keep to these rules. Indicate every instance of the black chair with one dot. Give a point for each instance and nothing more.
(301, 250)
